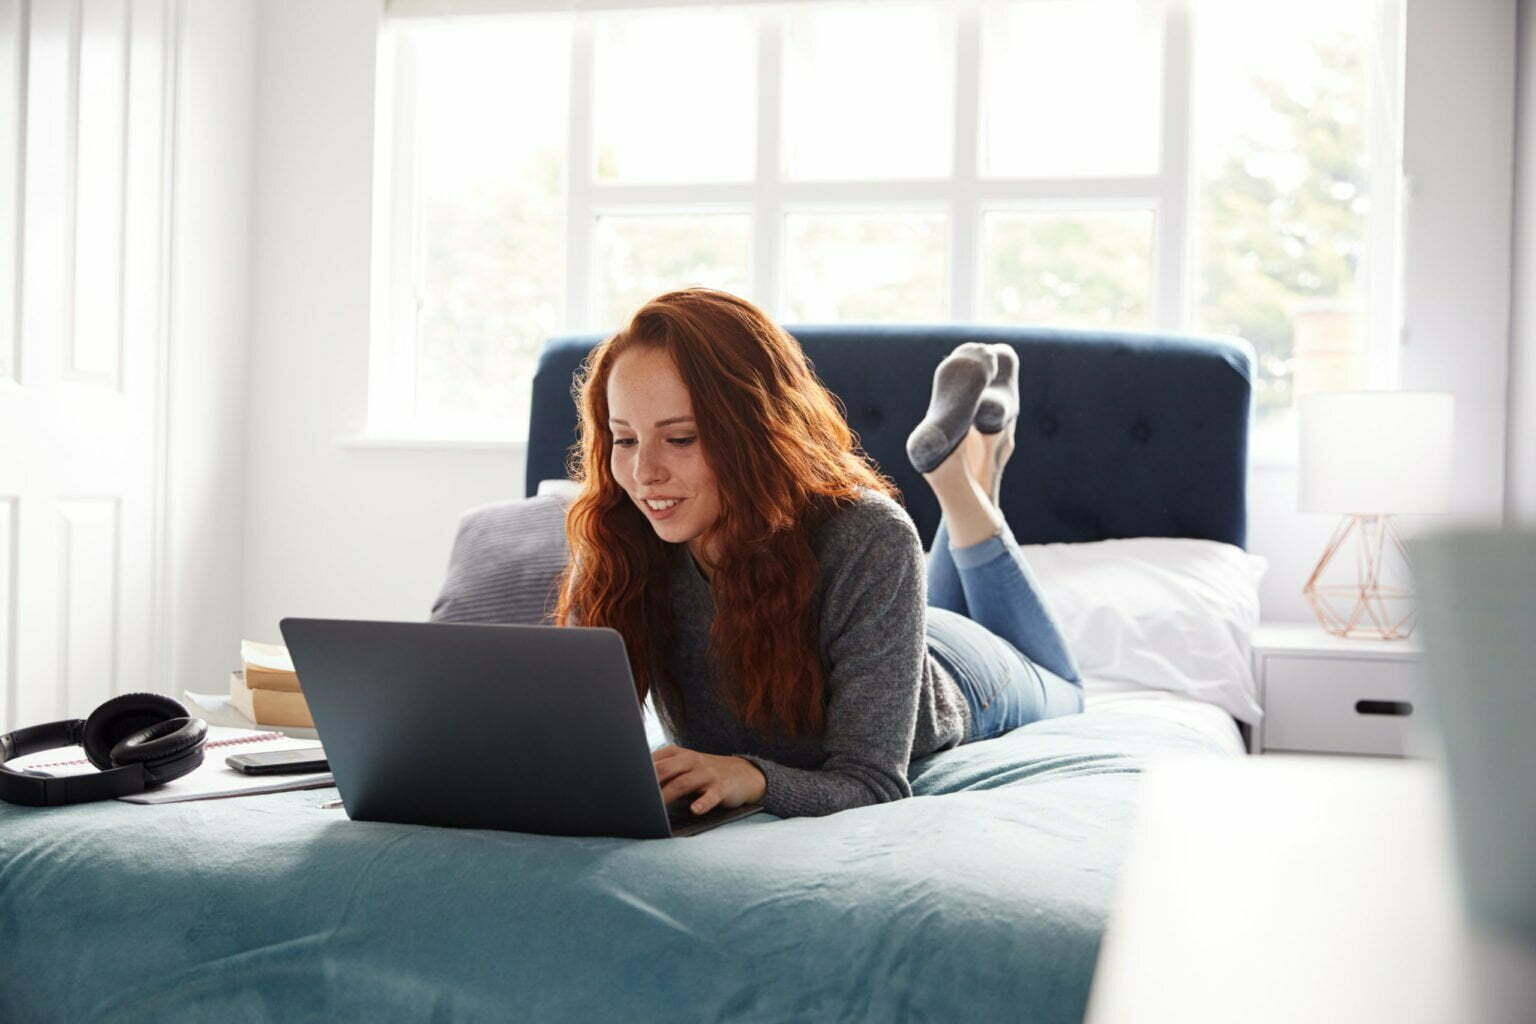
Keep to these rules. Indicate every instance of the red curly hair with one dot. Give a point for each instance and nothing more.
(783, 458)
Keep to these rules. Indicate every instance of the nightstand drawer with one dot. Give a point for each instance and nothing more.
(1353, 706)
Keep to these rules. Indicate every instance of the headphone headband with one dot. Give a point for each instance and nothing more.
(35, 738)
(107, 738)
(36, 791)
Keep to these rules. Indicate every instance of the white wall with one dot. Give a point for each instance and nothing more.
(209, 341)
(1520, 506)
(1458, 156)
(332, 531)
(366, 532)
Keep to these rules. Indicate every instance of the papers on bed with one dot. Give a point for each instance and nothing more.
(212, 779)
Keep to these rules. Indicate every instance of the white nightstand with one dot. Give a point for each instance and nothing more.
(1331, 695)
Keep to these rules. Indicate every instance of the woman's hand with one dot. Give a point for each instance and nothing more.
(719, 781)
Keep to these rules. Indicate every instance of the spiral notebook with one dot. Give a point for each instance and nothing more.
(213, 778)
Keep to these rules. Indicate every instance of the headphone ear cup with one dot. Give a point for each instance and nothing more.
(120, 718)
(167, 750)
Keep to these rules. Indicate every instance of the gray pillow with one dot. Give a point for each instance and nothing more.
(504, 563)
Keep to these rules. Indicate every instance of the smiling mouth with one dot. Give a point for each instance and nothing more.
(664, 510)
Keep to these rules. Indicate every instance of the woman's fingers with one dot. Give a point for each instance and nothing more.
(676, 764)
(681, 772)
(665, 755)
(682, 785)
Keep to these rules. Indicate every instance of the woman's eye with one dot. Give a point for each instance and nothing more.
(681, 442)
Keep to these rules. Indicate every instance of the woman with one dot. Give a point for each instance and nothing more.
(768, 586)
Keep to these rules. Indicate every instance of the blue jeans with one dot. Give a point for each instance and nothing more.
(988, 627)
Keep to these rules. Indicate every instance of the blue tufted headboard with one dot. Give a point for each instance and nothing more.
(1120, 434)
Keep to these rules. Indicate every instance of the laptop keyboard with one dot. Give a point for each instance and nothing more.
(679, 815)
(684, 822)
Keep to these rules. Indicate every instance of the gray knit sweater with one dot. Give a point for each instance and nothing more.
(887, 699)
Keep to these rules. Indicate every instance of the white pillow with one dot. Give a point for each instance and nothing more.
(1165, 613)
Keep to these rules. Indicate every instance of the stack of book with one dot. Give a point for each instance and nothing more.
(266, 688)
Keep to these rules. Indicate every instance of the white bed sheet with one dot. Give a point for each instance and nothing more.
(1099, 696)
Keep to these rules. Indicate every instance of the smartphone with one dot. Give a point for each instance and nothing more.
(280, 762)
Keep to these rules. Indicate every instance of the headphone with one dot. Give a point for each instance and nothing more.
(138, 740)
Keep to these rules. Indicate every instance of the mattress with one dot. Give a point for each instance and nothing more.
(1165, 705)
(984, 897)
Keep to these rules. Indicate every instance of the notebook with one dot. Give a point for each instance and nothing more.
(210, 780)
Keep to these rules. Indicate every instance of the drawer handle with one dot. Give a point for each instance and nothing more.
(1401, 708)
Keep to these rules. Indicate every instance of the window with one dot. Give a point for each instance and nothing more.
(1296, 171)
(1211, 165)
(472, 280)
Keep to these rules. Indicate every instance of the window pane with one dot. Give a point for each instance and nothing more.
(675, 96)
(1067, 269)
(1281, 106)
(858, 266)
(869, 91)
(1071, 87)
(639, 257)
(489, 214)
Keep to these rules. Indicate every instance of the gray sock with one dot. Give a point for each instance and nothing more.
(1000, 398)
(957, 387)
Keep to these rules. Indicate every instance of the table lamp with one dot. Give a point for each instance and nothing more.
(1367, 456)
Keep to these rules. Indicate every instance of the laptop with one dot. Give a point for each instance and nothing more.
(518, 728)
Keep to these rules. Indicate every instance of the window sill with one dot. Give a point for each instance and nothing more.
(418, 442)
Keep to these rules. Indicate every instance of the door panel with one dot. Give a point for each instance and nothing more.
(85, 91)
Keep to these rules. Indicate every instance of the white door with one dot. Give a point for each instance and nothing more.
(85, 103)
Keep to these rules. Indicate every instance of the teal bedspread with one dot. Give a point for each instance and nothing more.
(983, 898)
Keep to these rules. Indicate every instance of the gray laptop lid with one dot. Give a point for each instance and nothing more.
(521, 728)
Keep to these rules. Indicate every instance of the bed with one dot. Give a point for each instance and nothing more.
(983, 897)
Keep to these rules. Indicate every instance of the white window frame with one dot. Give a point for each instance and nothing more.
(1170, 195)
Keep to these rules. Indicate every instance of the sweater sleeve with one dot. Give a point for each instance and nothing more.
(872, 622)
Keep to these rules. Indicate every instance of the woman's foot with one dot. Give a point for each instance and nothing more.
(957, 386)
(960, 483)
(999, 447)
(977, 452)
(985, 455)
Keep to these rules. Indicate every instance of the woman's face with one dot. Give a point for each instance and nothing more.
(656, 450)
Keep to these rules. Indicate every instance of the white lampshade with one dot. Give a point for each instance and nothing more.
(1375, 452)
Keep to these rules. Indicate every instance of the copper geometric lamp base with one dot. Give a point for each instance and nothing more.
(1366, 605)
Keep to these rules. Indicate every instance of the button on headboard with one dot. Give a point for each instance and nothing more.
(1120, 434)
